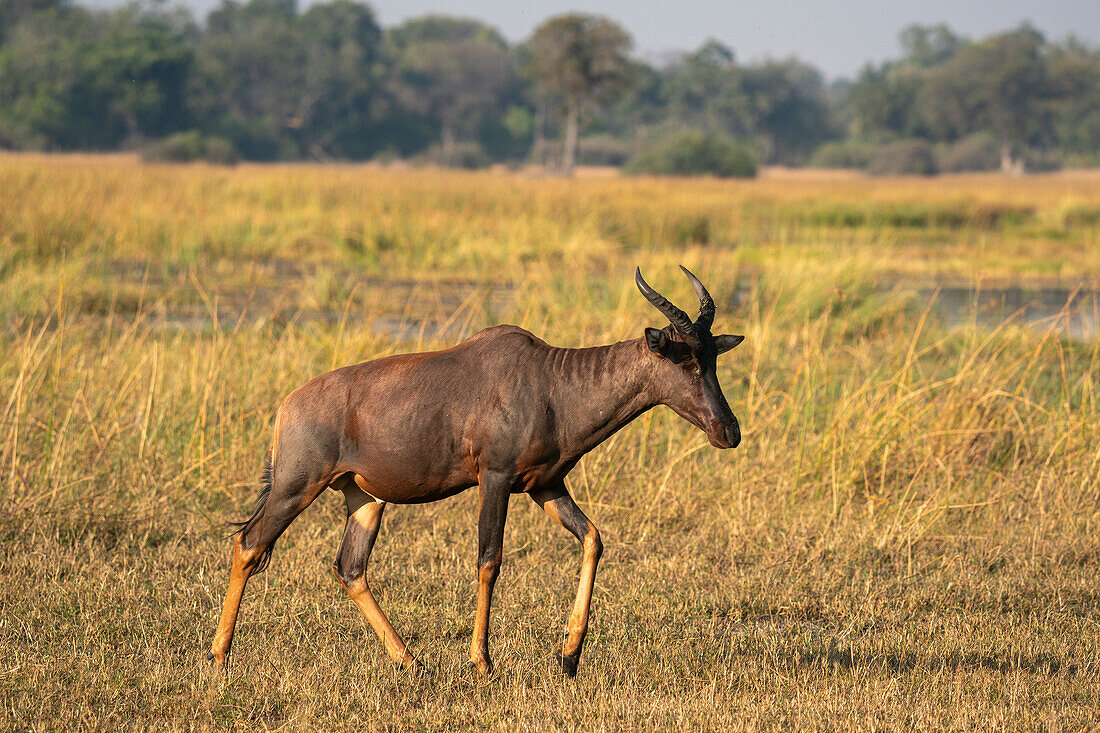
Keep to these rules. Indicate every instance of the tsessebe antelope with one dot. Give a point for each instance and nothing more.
(504, 411)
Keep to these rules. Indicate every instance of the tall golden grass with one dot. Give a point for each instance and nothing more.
(906, 538)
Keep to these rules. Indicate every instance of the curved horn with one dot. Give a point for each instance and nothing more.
(676, 317)
(706, 303)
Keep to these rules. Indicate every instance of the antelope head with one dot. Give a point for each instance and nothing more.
(687, 364)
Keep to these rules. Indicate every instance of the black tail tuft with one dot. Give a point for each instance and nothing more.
(265, 491)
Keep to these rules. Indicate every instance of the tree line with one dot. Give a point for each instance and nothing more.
(267, 80)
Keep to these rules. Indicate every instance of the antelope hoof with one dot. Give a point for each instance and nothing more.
(568, 664)
(216, 664)
(484, 666)
(415, 668)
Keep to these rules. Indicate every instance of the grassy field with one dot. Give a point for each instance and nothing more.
(907, 537)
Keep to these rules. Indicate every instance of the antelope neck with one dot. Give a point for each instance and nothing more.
(599, 390)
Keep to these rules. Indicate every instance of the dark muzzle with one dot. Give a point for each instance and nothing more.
(733, 432)
(725, 433)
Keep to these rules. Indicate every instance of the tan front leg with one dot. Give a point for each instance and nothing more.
(557, 502)
(494, 490)
(578, 619)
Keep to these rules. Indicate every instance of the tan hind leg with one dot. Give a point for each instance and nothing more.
(350, 567)
(251, 551)
(244, 562)
(557, 502)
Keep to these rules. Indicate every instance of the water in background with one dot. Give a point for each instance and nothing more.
(1070, 313)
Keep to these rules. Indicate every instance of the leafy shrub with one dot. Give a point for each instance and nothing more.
(602, 150)
(694, 153)
(465, 154)
(843, 154)
(221, 151)
(178, 148)
(17, 135)
(1042, 161)
(192, 145)
(976, 152)
(468, 155)
(904, 158)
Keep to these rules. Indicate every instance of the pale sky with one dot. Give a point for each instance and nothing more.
(836, 36)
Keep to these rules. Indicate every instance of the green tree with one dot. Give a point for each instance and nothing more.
(14, 11)
(454, 71)
(40, 61)
(285, 85)
(998, 84)
(705, 90)
(250, 83)
(928, 45)
(344, 103)
(883, 102)
(136, 73)
(583, 60)
(70, 78)
(787, 103)
(1073, 73)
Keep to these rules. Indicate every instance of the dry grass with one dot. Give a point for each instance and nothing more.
(907, 537)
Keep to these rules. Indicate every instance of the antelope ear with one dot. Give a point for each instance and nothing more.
(725, 342)
(659, 343)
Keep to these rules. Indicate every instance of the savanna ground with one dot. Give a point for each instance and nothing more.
(907, 537)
